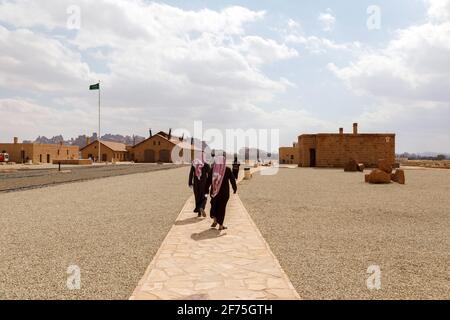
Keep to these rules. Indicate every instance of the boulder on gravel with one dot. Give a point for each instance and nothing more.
(378, 176)
(398, 176)
(351, 166)
(385, 166)
(361, 167)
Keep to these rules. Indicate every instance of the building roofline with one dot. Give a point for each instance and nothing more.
(174, 142)
(95, 141)
(105, 145)
(348, 134)
(38, 144)
(149, 138)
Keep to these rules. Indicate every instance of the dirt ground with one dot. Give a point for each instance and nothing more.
(442, 164)
(110, 228)
(35, 177)
(327, 227)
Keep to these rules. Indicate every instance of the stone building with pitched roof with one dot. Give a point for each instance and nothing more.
(164, 148)
(110, 151)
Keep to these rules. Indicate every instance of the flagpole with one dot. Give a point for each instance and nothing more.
(99, 133)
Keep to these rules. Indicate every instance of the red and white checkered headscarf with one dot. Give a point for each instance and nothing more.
(198, 164)
(218, 174)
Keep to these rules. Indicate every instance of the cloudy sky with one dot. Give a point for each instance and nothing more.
(297, 66)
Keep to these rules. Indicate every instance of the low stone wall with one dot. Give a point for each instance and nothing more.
(74, 162)
(442, 164)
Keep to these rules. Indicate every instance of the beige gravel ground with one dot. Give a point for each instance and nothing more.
(110, 228)
(327, 227)
(33, 177)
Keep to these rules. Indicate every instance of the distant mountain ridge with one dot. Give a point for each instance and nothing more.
(423, 155)
(135, 139)
(81, 140)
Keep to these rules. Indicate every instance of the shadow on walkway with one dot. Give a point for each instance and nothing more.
(188, 221)
(207, 234)
(196, 297)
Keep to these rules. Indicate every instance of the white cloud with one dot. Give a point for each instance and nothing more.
(262, 51)
(414, 64)
(162, 66)
(166, 66)
(320, 45)
(293, 34)
(35, 119)
(438, 9)
(407, 82)
(29, 13)
(420, 126)
(292, 24)
(327, 20)
(37, 63)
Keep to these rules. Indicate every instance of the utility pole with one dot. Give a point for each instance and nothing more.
(99, 133)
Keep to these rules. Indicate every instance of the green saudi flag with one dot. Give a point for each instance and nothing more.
(95, 87)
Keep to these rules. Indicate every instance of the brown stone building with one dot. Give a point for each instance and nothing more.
(38, 153)
(335, 150)
(289, 155)
(163, 147)
(110, 151)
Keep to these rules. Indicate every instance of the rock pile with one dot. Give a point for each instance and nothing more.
(383, 174)
(378, 176)
(385, 166)
(353, 166)
(398, 176)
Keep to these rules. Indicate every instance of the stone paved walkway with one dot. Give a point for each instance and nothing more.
(196, 262)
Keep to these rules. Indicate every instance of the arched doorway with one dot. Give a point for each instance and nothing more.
(149, 156)
(164, 156)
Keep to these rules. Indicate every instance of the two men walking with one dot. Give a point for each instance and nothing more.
(214, 180)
